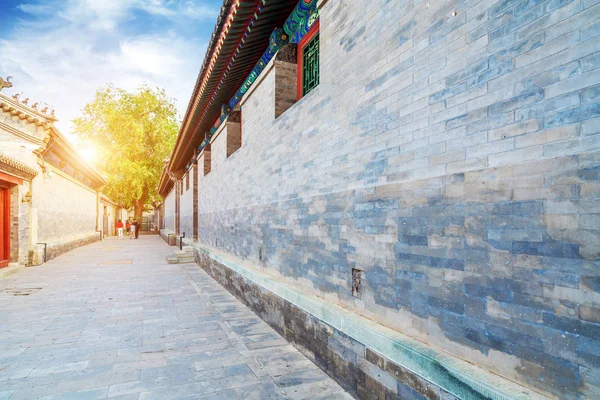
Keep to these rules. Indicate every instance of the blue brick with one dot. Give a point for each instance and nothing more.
(465, 73)
(447, 263)
(501, 6)
(464, 330)
(514, 337)
(452, 306)
(413, 240)
(413, 258)
(548, 78)
(591, 95)
(495, 293)
(550, 249)
(418, 304)
(589, 174)
(574, 326)
(519, 21)
(523, 208)
(498, 69)
(519, 48)
(591, 282)
(572, 116)
(493, 122)
(556, 4)
(406, 28)
(448, 28)
(591, 31)
(526, 5)
(558, 278)
(589, 349)
(517, 102)
(466, 118)
(447, 92)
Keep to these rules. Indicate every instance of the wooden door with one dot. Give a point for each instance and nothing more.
(4, 226)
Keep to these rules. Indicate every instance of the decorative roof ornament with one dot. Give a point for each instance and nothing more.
(25, 101)
(16, 96)
(5, 83)
(35, 106)
(301, 20)
(277, 40)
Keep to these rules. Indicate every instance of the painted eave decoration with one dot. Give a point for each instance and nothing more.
(242, 35)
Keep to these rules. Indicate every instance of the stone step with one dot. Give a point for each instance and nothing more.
(172, 260)
(186, 255)
(183, 252)
(186, 260)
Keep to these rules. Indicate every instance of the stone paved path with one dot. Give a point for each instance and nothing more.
(113, 319)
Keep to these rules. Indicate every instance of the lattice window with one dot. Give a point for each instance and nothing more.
(310, 65)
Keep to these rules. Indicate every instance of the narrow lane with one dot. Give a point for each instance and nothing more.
(114, 320)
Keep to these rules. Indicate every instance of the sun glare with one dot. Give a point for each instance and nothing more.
(88, 154)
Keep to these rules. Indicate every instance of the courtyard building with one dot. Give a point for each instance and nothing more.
(407, 191)
(50, 198)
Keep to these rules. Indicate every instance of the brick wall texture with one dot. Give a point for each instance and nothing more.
(455, 160)
(65, 210)
(187, 206)
(169, 206)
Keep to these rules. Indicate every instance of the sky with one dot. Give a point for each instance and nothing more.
(59, 52)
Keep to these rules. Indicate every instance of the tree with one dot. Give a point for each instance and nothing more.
(134, 132)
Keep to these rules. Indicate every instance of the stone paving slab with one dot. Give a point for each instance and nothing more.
(145, 330)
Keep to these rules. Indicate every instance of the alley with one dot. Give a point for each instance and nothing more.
(113, 319)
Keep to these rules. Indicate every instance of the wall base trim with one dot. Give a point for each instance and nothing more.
(368, 359)
(55, 250)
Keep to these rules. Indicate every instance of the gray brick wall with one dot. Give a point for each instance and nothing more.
(455, 160)
(169, 205)
(186, 207)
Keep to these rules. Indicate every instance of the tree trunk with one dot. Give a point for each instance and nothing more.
(138, 206)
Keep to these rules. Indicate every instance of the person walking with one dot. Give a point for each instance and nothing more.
(120, 229)
(137, 228)
(127, 226)
(133, 230)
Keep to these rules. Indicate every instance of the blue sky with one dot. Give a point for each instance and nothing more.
(60, 52)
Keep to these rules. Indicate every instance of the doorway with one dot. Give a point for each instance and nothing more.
(4, 225)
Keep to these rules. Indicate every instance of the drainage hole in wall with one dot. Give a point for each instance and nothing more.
(356, 282)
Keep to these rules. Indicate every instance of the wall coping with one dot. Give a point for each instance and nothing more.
(52, 242)
(259, 80)
(220, 129)
(432, 365)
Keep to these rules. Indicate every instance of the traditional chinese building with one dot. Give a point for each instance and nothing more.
(408, 191)
(49, 196)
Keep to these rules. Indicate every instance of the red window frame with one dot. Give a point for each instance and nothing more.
(309, 35)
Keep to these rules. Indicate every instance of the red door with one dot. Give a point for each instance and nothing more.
(4, 226)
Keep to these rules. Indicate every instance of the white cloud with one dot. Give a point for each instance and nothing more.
(63, 63)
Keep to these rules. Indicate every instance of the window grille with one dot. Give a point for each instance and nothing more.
(310, 65)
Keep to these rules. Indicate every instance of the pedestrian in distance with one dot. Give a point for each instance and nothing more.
(133, 231)
(137, 228)
(128, 226)
(120, 229)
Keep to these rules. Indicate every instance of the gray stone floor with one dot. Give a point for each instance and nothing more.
(113, 319)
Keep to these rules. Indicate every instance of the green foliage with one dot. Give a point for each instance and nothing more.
(133, 133)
